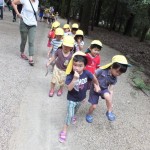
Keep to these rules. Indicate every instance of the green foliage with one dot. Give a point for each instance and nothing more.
(140, 84)
(140, 81)
(148, 36)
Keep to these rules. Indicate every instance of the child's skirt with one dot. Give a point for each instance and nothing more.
(58, 76)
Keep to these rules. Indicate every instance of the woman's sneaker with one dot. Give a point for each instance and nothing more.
(110, 116)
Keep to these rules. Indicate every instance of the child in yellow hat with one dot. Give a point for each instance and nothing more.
(61, 57)
(93, 56)
(51, 34)
(56, 42)
(79, 40)
(66, 28)
(107, 77)
(74, 28)
(76, 81)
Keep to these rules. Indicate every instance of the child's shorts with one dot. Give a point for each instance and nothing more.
(94, 96)
(58, 76)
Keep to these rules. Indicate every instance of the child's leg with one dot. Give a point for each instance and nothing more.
(93, 99)
(51, 92)
(108, 99)
(70, 114)
(110, 115)
(92, 108)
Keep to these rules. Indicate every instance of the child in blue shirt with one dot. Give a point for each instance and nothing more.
(107, 78)
(76, 81)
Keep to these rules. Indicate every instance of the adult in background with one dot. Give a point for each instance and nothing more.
(1, 8)
(19, 7)
(28, 25)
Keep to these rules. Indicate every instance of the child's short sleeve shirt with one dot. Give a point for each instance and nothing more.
(78, 93)
(105, 78)
(62, 61)
(92, 63)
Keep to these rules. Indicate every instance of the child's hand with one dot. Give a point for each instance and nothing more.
(97, 88)
(48, 63)
(76, 75)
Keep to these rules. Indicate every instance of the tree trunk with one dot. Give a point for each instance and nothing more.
(63, 9)
(129, 25)
(98, 12)
(80, 13)
(93, 15)
(144, 32)
(86, 16)
(68, 11)
(112, 23)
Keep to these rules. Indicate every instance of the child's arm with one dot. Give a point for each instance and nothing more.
(96, 84)
(50, 61)
(80, 45)
(72, 83)
(50, 49)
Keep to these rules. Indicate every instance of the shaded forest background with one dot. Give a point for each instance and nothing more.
(121, 24)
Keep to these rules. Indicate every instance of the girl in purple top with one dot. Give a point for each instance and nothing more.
(62, 57)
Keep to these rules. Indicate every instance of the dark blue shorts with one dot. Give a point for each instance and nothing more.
(94, 96)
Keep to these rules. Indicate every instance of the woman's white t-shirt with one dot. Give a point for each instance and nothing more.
(27, 12)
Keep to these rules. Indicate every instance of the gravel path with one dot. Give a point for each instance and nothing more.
(30, 120)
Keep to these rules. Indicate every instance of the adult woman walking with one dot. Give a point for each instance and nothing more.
(28, 23)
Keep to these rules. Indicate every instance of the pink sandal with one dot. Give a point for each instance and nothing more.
(51, 93)
(62, 137)
(59, 93)
(23, 56)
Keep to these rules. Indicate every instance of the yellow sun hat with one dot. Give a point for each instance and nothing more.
(66, 26)
(97, 42)
(68, 41)
(70, 65)
(56, 24)
(79, 32)
(59, 31)
(119, 59)
(75, 25)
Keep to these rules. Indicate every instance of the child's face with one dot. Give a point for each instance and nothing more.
(66, 49)
(66, 30)
(58, 37)
(115, 72)
(78, 67)
(79, 39)
(95, 51)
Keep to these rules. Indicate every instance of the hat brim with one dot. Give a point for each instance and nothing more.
(70, 65)
(108, 65)
(69, 45)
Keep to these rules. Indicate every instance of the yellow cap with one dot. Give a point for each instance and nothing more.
(79, 32)
(69, 67)
(75, 25)
(97, 42)
(59, 31)
(119, 59)
(46, 10)
(56, 24)
(66, 26)
(68, 41)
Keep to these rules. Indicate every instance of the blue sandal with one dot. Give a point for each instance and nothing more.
(110, 116)
(89, 118)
